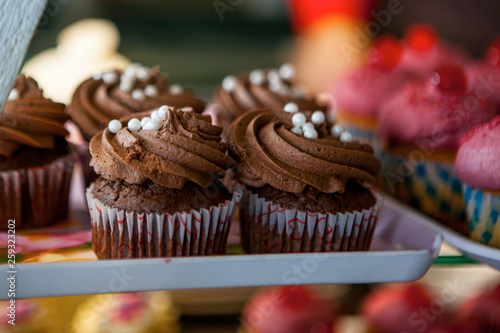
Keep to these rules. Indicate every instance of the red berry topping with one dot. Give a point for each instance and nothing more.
(493, 52)
(420, 37)
(450, 79)
(386, 53)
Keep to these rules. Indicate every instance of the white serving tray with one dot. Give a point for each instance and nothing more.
(417, 248)
(476, 251)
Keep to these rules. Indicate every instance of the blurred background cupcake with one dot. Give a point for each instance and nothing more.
(307, 183)
(357, 96)
(478, 166)
(484, 73)
(420, 128)
(119, 93)
(289, 309)
(271, 88)
(159, 192)
(134, 312)
(423, 50)
(36, 161)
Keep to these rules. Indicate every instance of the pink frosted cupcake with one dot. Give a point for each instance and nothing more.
(358, 96)
(424, 51)
(478, 166)
(484, 74)
(421, 126)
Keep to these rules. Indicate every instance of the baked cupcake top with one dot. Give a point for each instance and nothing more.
(272, 88)
(362, 90)
(116, 94)
(433, 113)
(478, 158)
(167, 146)
(28, 119)
(294, 151)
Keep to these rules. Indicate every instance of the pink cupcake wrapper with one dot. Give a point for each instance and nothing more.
(270, 228)
(37, 196)
(118, 234)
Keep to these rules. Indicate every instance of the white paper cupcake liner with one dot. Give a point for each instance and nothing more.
(270, 228)
(37, 196)
(118, 234)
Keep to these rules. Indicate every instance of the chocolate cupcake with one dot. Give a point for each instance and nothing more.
(36, 162)
(308, 184)
(159, 192)
(116, 94)
(272, 88)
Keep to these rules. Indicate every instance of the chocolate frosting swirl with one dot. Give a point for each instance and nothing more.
(247, 96)
(187, 147)
(95, 103)
(267, 152)
(30, 119)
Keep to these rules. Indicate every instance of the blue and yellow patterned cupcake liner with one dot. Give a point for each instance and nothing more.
(431, 187)
(483, 213)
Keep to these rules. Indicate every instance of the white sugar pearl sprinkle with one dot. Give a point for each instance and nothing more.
(287, 71)
(278, 88)
(310, 134)
(14, 94)
(318, 117)
(299, 92)
(134, 125)
(110, 77)
(114, 126)
(291, 107)
(131, 70)
(176, 89)
(144, 121)
(138, 94)
(337, 130)
(143, 74)
(97, 76)
(127, 79)
(296, 130)
(162, 111)
(346, 137)
(257, 77)
(155, 116)
(299, 119)
(273, 75)
(125, 86)
(151, 90)
(229, 83)
(308, 126)
(152, 125)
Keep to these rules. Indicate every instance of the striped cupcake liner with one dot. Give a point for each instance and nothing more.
(431, 187)
(483, 214)
(36, 197)
(270, 228)
(119, 234)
